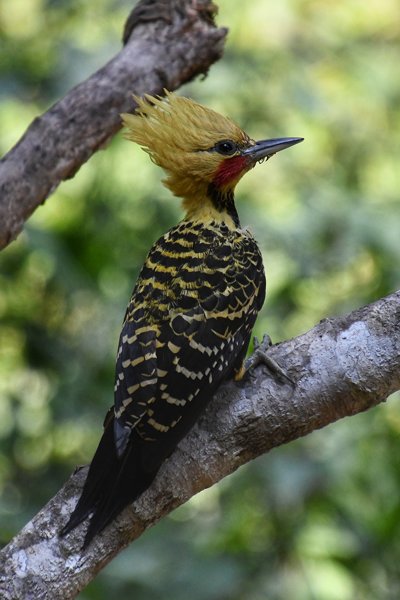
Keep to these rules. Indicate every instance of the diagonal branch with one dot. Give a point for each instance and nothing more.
(167, 43)
(342, 366)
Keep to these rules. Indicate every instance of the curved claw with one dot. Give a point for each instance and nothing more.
(261, 356)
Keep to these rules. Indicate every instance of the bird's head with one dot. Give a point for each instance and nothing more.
(203, 153)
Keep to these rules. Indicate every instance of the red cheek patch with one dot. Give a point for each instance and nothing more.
(229, 169)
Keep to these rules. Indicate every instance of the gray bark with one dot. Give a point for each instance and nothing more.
(342, 366)
(167, 43)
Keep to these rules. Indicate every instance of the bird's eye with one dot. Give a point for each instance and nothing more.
(226, 147)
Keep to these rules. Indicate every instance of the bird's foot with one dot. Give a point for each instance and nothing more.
(261, 356)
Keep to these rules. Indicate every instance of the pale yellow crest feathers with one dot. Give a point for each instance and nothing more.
(174, 130)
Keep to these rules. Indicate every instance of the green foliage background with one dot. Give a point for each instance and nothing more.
(320, 518)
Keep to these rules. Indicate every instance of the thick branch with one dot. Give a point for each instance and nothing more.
(167, 43)
(341, 367)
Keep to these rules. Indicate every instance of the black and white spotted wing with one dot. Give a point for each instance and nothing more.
(195, 325)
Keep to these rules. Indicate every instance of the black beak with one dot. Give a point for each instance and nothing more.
(265, 148)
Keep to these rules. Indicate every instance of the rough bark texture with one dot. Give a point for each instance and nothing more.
(167, 43)
(341, 367)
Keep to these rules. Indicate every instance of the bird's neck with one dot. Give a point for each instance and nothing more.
(214, 205)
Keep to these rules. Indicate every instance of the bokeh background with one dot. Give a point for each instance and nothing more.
(319, 518)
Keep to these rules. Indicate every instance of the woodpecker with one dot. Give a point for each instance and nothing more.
(188, 324)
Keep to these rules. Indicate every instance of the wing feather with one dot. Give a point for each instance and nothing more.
(188, 326)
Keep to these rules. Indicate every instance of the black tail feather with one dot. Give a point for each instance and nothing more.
(111, 484)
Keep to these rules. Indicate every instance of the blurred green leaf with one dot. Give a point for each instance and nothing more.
(318, 519)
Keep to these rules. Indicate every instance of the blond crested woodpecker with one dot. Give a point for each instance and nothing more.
(189, 321)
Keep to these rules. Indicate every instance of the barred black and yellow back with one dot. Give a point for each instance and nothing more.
(189, 321)
(187, 328)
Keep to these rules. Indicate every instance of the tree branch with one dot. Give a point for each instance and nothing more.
(167, 43)
(342, 366)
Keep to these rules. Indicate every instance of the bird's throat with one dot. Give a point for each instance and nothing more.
(215, 205)
(224, 201)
